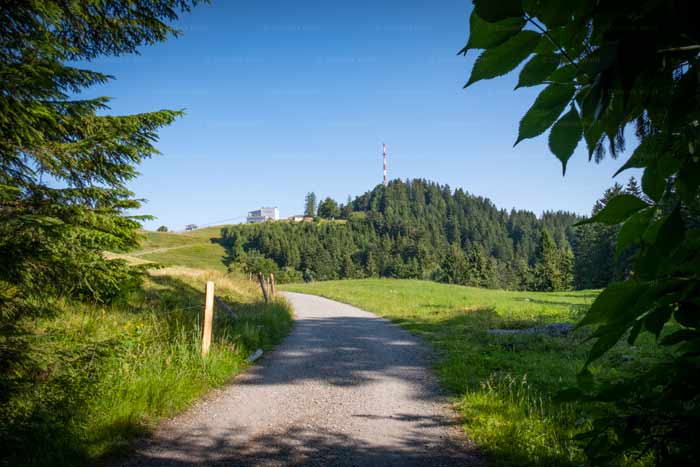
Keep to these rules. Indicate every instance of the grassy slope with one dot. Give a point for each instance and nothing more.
(503, 383)
(195, 249)
(95, 376)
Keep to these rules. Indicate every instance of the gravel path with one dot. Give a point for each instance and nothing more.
(345, 388)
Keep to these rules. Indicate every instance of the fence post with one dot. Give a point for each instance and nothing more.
(273, 286)
(208, 317)
(263, 286)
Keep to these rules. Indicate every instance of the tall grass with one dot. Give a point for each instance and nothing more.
(94, 377)
(506, 412)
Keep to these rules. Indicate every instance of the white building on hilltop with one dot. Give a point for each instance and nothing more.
(262, 215)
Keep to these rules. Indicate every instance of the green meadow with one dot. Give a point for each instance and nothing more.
(93, 377)
(198, 249)
(503, 385)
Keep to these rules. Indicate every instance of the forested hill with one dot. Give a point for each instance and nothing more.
(415, 229)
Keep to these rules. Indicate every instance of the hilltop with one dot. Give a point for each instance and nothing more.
(415, 229)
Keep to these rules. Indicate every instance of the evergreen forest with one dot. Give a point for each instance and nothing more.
(425, 230)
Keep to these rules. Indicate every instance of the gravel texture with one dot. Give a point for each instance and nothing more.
(345, 388)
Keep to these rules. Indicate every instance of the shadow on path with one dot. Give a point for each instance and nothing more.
(345, 388)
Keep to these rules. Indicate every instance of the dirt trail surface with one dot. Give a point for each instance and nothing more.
(345, 388)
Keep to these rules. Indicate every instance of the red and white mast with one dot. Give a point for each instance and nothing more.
(384, 151)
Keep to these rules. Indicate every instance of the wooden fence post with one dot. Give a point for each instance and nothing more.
(208, 317)
(273, 286)
(263, 286)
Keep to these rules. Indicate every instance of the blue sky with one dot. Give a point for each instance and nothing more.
(283, 98)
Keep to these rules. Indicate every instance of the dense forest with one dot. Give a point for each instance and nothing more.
(421, 229)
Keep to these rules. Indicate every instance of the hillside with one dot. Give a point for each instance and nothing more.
(199, 249)
(417, 229)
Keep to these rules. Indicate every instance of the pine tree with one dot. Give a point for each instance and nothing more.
(413, 229)
(546, 276)
(346, 209)
(66, 165)
(633, 188)
(310, 204)
(566, 269)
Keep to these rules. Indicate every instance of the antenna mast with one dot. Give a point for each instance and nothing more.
(384, 151)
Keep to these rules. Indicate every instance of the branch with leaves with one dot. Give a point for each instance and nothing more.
(605, 65)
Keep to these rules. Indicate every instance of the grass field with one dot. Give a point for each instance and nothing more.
(92, 377)
(503, 384)
(197, 249)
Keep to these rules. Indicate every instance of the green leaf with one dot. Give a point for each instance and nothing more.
(687, 314)
(647, 151)
(617, 296)
(652, 231)
(654, 321)
(592, 133)
(550, 12)
(688, 180)
(550, 103)
(595, 99)
(503, 58)
(485, 35)
(613, 118)
(617, 210)
(607, 336)
(653, 181)
(563, 75)
(671, 232)
(537, 70)
(497, 10)
(634, 333)
(633, 229)
(565, 136)
(680, 336)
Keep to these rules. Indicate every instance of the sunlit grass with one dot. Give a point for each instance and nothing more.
(202, 255)
(101, 375)
(503, 385)
(194, 249)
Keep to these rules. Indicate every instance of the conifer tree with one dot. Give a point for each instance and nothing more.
(310, 204)
(64, 165)
(547, 273)
(412, 229)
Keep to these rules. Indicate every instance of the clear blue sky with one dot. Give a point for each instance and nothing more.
(283, 98)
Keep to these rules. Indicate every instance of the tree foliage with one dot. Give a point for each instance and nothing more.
(64, 167)
(553, 270)
(412, 229)
(310, 204)
(620, 64)
(328, 209)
